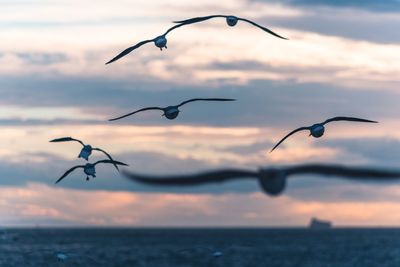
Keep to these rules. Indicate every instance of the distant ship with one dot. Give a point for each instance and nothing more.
(316, 224)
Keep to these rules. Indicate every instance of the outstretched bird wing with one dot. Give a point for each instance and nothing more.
(108, 155)
(128, 50)
(173, 28)
(199, 19)
(192, 179)
(205, 99)
(289, 134)
(347, 119)
(129, 114)
(66, 139)
(68, 172)
(262, 28)
(114, 162)
(357, 173)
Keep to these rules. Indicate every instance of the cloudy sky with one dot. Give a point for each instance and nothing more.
(341, 59)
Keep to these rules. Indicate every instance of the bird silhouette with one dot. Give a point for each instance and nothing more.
(159, 41)
(317, 130)
(272, 180)
(86, 150)
(230, 20)
(171, 112)
(89, 169)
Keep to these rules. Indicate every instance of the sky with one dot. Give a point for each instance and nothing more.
(342, 59)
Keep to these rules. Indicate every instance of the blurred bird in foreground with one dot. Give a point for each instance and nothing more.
(272, 180)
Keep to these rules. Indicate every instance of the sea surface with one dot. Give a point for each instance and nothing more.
(195, 247)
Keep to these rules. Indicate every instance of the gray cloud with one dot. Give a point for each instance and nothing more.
(253, 148)
(42, 58)
(51, 167)
(383, 151)
(42, 122)
(370, 20)
(333, 22)
(260, 103)
(372, 5)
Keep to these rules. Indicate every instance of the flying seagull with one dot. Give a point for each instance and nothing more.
(89, 168)
(272, 180)
(317, 130)
(230, 20)
(159, 41)
(86, 150)
(171, 112)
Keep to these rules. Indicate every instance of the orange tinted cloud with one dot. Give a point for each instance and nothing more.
(78, 207)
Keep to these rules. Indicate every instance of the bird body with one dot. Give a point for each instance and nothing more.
(231, 20)
(85, 152)
(161, 42)
(90, 170)
(272, 180)
(318, 129)
(171, 112)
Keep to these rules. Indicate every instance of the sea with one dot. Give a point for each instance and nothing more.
(231, 247)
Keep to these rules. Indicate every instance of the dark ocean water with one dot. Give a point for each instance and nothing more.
(177, 247)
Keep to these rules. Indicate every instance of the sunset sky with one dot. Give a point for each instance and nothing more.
(342, 59)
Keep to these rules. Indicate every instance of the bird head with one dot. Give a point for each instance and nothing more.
(272, 181)
(317, 130)
(231, 20)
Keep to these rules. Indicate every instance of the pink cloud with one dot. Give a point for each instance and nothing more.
(78, 207)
